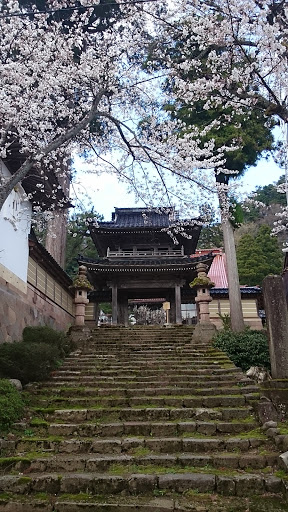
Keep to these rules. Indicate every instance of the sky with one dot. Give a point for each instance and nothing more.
(106, 193)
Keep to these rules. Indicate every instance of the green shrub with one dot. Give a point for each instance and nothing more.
(45, 334)
(11, 404)
(27, 362)
(245, 349)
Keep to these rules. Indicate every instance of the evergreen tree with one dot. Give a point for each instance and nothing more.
(258, 257)
(79, 240)
(268, 195)
(211, 237)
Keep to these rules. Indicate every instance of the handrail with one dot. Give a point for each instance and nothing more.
(140, 253)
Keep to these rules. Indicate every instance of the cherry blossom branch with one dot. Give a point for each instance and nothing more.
(52, 146)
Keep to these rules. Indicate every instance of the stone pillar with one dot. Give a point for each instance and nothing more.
(203, 297)
(277, 325)
(81, 285)
(178, 304)
(114, 304)
(204, 330)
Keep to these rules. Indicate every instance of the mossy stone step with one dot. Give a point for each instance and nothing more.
(141, 484)
(138, 417)
(142, 370)
(194, 381)
(145, 364)
(233, 400)
(168, 463)
(156, 372)
(166, 377)
(142, 392)
(138, 414)
(169, 502)
(160, 445)
(148, 429)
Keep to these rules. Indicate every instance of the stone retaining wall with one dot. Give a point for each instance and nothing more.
(19, 308)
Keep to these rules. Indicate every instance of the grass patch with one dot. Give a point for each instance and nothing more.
(44, 410)
(140, 451)
(41, 496)
(255, 433)
(281, 473)
(24, 480)
(82, 496)
(151, 469)
(38, 422)
(42, 439)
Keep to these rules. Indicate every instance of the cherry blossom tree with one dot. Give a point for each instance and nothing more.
(227, 57)
(66, 86)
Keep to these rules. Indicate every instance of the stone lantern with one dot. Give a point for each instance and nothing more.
(81, 286)
(204, 330)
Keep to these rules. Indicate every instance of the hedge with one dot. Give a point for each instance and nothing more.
(247, 348)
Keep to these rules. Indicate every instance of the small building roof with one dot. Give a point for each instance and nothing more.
(141, 217)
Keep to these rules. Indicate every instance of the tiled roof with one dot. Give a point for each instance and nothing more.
(139, 217)
(244, 290)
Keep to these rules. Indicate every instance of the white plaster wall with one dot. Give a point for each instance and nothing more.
(15, 222)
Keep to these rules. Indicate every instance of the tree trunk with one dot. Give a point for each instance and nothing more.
(236, 314)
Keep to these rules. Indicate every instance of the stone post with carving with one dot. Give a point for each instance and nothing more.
(81, 286)
(204, 330)
(274, 291)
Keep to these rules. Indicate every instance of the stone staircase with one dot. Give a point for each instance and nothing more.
(142, 420)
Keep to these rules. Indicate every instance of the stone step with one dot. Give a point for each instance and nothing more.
(164, 502)
(123, 349)
(136, 423)
(145, 428)
(141, 352)
(141, 392)
(111, 463)
(141, 414)
(143, 341)
(141, 370)
(162, 352)
(144, 373)
(139, 357)
(159, 445)
(221, 400)
(147, 373)
(110, 383)
(128, 365)
(166, 380)
(141, 484)
(105, 381)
